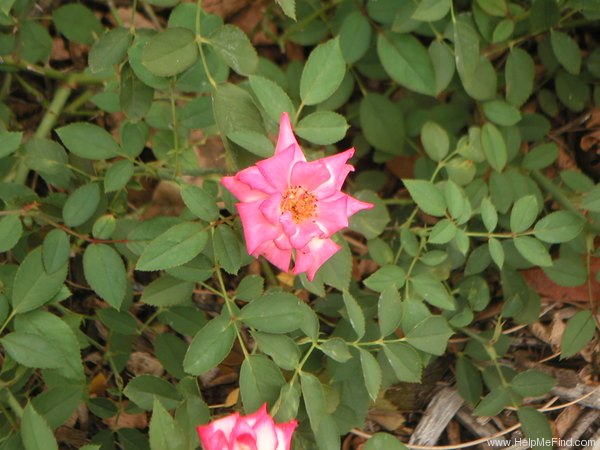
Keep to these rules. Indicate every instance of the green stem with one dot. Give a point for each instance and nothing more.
(46, 125)
(14, 404)
(48, 72)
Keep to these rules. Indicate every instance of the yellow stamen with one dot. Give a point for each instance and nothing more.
(300, 203)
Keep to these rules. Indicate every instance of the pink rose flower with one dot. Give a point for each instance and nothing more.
(257, 431)
(290, 205)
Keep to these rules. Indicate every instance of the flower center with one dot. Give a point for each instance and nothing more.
(300, 203)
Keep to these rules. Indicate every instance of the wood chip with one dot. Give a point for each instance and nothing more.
(441, 409)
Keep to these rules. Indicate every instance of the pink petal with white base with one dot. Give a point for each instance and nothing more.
(312, 257)
(286, 136)
(277, 169)
(266, 435)
(309, 175)
(257, 228)
(331, 214)
(223, 425)
(280, 258)
(284, 434)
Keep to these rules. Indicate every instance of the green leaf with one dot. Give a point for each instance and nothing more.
(260, 382)
(535, 427)
(164, 432)
(184, 319)
(77, 23)
(235, 110)
(234, 47)
(355, 36)
(281, 348)
(35, 432)
(11, 230)
(31, 350)
(371, 373)
(256, 143)
(466, 48)
(58, 403)
(250, 288)
(591, 199)
(384, 441)
(276, 312)
(176, 246)
(496, 252)
(9, 142)
(442, 232)
(483, 82)
(119, 321)
(88, 141)
(494, 7)
(355, 314)
(443, 63)
(118, 175)
(533, 251)
(272, 98)
(288, 7)
(494, 146)
(405, 361)
(135, 97)
(144, 389)
(489, 215)
(227, 249)
(523, 214)
(407, 62)
(578, 333)
(540, 156)
(389, 310)
(433, 291)
(37, 43)
(387, 276)
(170, 351)
(572, 91)
(494, 402)
(431, 335)
(200, 202)
(59, 335)
(110, 49)
(323, 425)
(33, 286)
(105, 272)
(382, 123)
(81, 204)
(468, 380)
(558, 227)
(532, 383)
(427, 197)
(503, 31)
(55, 250)
(501, 113)
(337, 349)
(567, 51)
(210, 346)
(431, 10)
(170, 52)
(435, 140)
(323, 73)
(167, 291)
(322, 127)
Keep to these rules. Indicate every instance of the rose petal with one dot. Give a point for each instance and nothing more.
(284, 434)
(286, 136)
(309, 175)
(257, 229)
(223, 425)
(311, 257)
(332, 215)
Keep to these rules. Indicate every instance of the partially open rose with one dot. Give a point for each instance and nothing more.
(290, 205)
(257, 431)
